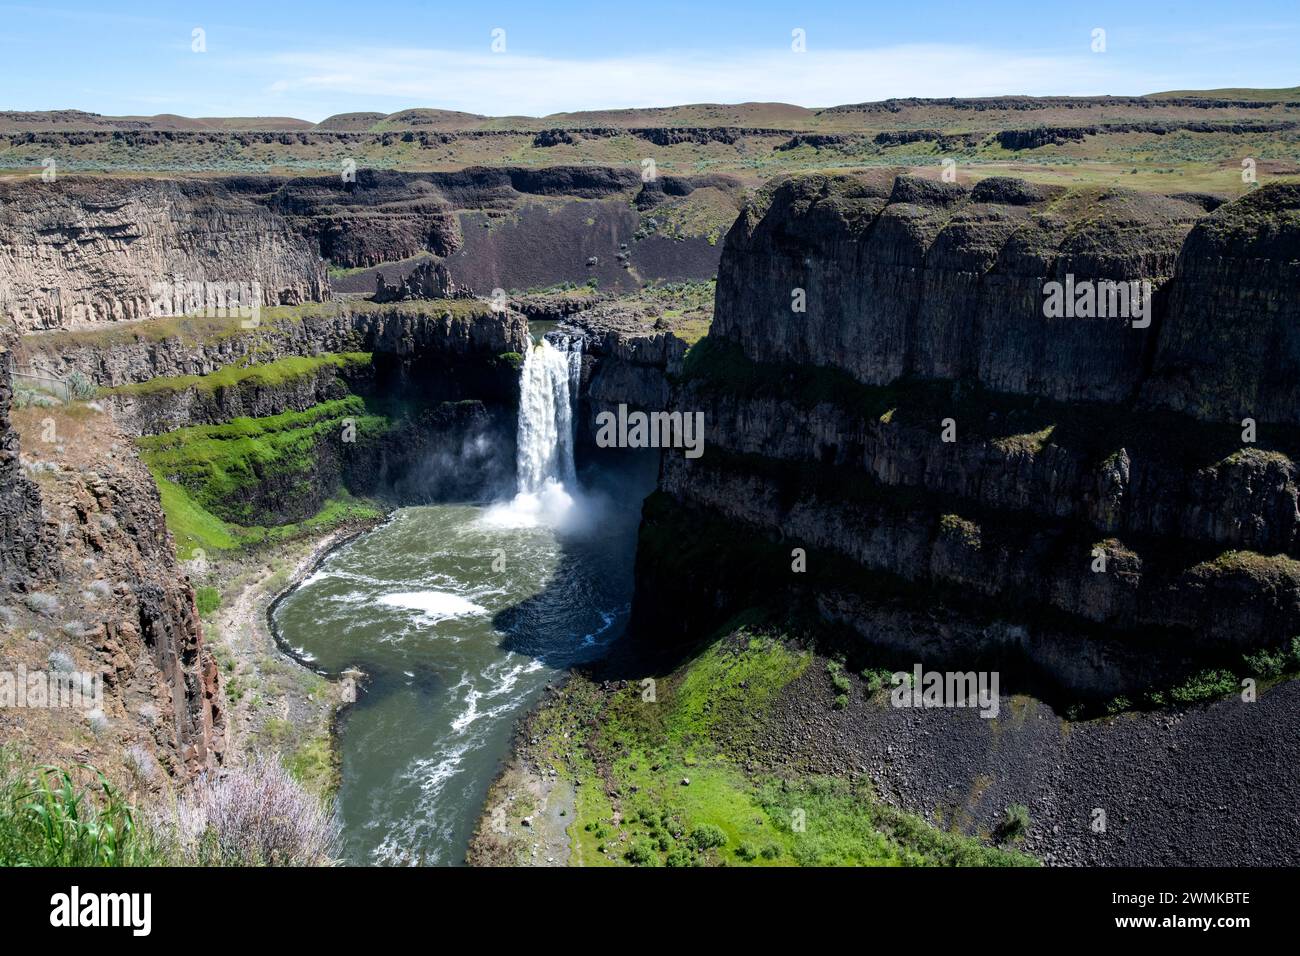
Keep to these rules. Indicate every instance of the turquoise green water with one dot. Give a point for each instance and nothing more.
(458, 616)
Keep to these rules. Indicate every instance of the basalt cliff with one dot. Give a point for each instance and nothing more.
(901, 442)
(80, 252)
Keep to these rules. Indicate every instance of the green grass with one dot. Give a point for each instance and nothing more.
(221, 467)
(266, 375)
(207, 600)
(728, 686)
(195, 528)
(311, 759)
(56, 817)
(314, 764)
(75, 817)
(211, 478)
(683, 798)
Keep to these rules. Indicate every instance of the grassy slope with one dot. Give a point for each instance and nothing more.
(202, 471)
(628, 754)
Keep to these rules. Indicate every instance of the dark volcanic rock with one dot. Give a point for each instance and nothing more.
(554, 137)
(1074, 437)
(24, 546)
(428, 280)
(924, 279)
(1230, 347)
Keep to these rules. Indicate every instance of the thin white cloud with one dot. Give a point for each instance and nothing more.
(504, 84)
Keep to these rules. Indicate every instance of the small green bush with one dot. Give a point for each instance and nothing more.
(1014, 824)
(80, 387)
(839, 679)
(1273, 663)
(1204, 686)
(207, 600)
(707, 836)
(638, 854)
(877, 678)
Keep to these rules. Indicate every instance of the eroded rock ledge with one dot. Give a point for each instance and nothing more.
(100, 591)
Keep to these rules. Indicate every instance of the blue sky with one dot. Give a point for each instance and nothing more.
(311, 60)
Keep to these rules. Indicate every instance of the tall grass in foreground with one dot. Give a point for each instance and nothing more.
(252, 816)
(51, 816)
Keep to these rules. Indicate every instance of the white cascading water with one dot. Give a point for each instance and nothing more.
(548, 393)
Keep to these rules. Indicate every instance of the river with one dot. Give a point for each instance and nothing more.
(458, 615)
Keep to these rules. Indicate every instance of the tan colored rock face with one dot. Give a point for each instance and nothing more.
(110, 599)
(78, 253)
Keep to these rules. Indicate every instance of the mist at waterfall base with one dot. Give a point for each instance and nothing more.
(459, 615)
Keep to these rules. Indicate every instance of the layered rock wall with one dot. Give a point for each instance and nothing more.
(83, 252)
(969, 478)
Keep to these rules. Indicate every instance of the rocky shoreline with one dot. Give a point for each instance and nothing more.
(528, 809)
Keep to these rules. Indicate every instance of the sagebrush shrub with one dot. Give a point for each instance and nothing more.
(256, 815)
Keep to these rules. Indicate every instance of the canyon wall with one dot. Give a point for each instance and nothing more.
(625, 361)
(92, 585)
(186, 401)
(132, 354)
(908, 278)
(1231, 345)
(76, 252)
(912, 278)
(23, 539)
(965, 478)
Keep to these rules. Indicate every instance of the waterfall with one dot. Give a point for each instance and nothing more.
(548, 392)
(546, 480)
